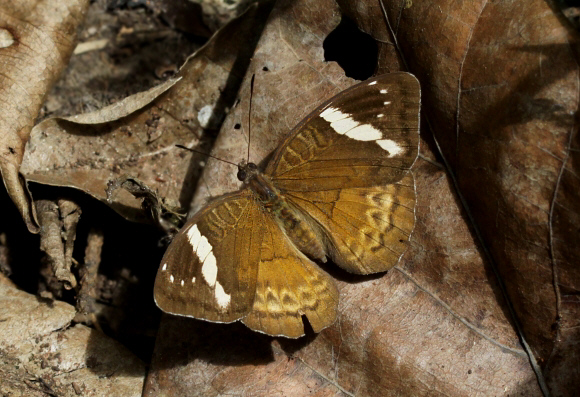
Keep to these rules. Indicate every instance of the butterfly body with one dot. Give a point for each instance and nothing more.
(339, 186)
(296, 225)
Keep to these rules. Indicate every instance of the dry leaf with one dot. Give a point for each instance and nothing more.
(36, 40)
(438, 322)
(70, 151)
(500, 90)
(42, 353)
(500, 94)
(137, 136)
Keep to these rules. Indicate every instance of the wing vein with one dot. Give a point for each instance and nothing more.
(372, 227)
(297, 168)
(358, 202)
(277, 178)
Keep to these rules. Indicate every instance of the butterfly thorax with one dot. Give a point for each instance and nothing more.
(301, 230)
(257, 181)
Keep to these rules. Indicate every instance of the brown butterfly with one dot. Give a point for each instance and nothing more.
(338, 186)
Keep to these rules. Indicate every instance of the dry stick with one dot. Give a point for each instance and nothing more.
(531, 357)
(51, 242)
(555, 272)
(88, 292)
(70, 214)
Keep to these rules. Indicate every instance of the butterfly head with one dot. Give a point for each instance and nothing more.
(247, 171)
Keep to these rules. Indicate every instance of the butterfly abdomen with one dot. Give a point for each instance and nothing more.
(299, 230)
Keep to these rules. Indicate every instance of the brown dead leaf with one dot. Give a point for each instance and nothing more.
(137, 136)
(437, 323)
(501, 91)
(499, 96)
(36, 39)
(71, 151)
(372, 22)
(40, 352)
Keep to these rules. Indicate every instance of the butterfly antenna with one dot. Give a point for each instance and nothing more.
(250, 116)
(205, 154)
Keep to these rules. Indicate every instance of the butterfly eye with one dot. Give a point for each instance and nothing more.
(242, 175)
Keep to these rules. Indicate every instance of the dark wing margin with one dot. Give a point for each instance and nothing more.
(209, 271)
(368, 135)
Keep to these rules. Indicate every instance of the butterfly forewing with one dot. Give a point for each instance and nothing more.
(210, 269)
(365, 136)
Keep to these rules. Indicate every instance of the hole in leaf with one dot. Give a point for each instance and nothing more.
(355, 51)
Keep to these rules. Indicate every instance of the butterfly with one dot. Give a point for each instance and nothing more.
(339, 186)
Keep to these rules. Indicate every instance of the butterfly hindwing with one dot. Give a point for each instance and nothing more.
(368, 228)
(210, 269)
(290, 285)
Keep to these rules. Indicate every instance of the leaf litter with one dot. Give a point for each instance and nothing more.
(437, 321)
